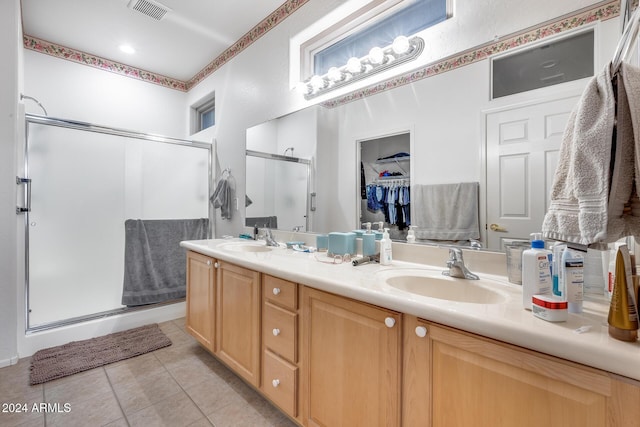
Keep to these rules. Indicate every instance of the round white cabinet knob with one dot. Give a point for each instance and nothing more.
(421, 331)
(275, 383)
(276, 332)
(390, 322)
(216, 265)
(276, 291)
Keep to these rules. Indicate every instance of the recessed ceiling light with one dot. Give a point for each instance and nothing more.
(127, 49)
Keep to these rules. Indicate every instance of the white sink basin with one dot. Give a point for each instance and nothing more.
(432, 284)
(246, 247)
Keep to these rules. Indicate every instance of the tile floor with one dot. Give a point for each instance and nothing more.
(180, 385)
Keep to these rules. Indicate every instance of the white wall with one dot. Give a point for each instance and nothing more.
(73, 91)
(10, 84)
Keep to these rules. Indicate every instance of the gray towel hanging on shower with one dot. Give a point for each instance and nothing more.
(155, 264)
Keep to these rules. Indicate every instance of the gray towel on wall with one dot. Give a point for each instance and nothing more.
(446, 211)
(155, 264)
(222, 198)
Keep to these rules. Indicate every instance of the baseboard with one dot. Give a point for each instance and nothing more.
(9, 362)
(30, 343)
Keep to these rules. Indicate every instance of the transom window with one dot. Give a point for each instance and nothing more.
(203, 114)
(561, 60)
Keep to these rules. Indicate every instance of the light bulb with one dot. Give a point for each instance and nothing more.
(376, 55)
(302, 88)
(334, 74)
(354, 65)
(400, 45)
(317, 82)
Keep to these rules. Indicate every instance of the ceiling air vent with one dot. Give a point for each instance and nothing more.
(151, 8)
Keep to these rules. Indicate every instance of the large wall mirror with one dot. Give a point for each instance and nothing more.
(509, 146)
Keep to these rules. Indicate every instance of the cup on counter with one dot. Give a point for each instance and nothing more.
(322, 242)
(514, 261)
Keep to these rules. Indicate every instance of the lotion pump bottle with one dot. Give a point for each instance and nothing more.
(385, 248)
(536, 270)
(368, 241)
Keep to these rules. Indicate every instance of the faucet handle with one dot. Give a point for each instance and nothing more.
(455, 254)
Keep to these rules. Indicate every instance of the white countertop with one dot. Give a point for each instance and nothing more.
(506, 321)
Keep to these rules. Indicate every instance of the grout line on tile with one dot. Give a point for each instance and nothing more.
(124, 414)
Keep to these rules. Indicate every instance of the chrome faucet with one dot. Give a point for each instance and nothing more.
(456, 266)
(268, 237)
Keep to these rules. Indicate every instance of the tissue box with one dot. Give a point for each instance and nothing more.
(342, 243)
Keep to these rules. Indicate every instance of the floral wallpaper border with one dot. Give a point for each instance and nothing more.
(602, 12)
(94, 61)
(63, 52)
(254, 34)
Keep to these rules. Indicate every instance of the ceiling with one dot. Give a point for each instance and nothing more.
(179, 45)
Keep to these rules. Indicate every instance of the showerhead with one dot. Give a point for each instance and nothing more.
(23, 96)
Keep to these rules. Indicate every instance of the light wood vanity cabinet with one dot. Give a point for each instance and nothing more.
(452, 378)
(327, 360)
(237, 318)
(352, 360)
(280, 342)
(200, 298)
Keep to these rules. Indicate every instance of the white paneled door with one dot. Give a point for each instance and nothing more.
(522, 144)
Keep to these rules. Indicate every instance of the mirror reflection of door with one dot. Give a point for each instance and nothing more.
(384, 176)
(522, 153)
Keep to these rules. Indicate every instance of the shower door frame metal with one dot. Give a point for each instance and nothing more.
(26, 208)
(310, 202)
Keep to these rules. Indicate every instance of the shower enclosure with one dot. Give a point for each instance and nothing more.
(81, 183)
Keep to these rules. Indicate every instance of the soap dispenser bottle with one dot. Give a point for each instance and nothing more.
(385, 248)
(411, 234)
(536, 270)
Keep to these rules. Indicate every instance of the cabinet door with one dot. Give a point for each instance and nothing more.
(200, 298)
(477, 381)
(238, 320)
(351, 362)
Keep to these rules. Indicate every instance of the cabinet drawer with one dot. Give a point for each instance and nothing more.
(279, 331)
(280, 383)
(280, 292)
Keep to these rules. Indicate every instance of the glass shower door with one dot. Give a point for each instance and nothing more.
(84, 185)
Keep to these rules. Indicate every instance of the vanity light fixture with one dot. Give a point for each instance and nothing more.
(379, 59)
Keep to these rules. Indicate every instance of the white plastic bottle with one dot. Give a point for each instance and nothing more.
(536, 270)
(411, 234)
(572, 268)
(385, 248)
